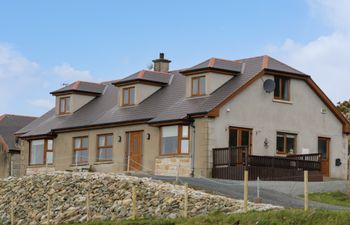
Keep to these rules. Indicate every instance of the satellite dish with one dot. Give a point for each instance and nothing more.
(150, 66)
(269, 85)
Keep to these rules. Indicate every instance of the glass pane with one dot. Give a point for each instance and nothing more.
(125, 96)
(104, 154)
(62, 102)
(245, 138)
(322, 148)
(170, 131)
(109, 140)
(195, 86)
(85, 142)
(101, 140)
(202, 86)
(37, 152)
(280, 143)
(68, 104)
(184, 131)
(233, 138)
(277, 87)
(80, 157)
(77, 143)
(49, 157)
(291, 144)
(49, 144)
(285, 89)
(184, 146)
(132, 96)
(169, 145)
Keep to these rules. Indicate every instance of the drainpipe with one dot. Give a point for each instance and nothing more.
(193, 145)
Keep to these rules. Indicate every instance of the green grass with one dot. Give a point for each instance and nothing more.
(274, 217)
(333, 198)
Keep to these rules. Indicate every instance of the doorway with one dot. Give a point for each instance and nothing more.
(324, 149)
(135, 151)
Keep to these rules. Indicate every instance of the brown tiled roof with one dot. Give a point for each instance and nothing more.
(146, 76)
(9, 124)
(81, 87)
(216, 64)
(167, 104)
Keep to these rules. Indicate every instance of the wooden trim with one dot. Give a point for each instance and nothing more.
(179, 140)
(57, 94)
(239, 135)
(285, 150)
(98, 147)
(80, 149)
(198, 86)
(45, 152)
(139, 81)
(128, 89)
(282, 88)
(328, 145)
(64, 111)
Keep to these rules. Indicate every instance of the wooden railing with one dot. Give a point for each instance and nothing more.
(229, 156)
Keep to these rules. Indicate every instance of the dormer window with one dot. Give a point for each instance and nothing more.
(64, 105)
(282, 89)
(198, 86)
(128, 96)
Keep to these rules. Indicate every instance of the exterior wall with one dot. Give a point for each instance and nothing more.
(63, 150)
(201, 148)
(142, 91)
(3, 159)
(256, 109)
(212, 82)
(173, 166)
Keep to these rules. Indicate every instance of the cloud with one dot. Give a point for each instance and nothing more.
(42, 103)
(326, 58)
(69, 73)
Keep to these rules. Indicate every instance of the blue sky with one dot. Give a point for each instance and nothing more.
(46, 43)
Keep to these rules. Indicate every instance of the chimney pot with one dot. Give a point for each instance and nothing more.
(161, 55)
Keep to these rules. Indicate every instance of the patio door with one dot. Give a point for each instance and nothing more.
(323, 148)
(135, 151)
(240, 137)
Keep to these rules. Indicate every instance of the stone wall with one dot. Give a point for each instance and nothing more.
(171, 166)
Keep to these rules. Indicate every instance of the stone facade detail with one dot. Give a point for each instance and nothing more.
(173, 166)
(36, 170)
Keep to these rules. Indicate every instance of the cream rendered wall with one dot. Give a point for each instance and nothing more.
(256, 109)
(63, 149)
(212, 82)
(76, 101)
(142, 91)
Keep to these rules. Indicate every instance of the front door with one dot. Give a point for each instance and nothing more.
(240, 137)
(135, 151)
(323, 148)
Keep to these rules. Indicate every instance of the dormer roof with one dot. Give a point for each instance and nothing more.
(81, 87)
(146, 76)
(215, 65)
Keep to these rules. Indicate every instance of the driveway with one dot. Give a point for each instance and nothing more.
(282, 193)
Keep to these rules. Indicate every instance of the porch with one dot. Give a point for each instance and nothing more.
(230, 163)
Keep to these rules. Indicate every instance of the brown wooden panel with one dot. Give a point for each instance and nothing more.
(135, 148)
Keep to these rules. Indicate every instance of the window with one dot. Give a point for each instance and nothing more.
(198, 86)
(240, 137)
(64, 105)
(286, 143)
(282, 89)
(174, 140)
(41, 152)
(104, 147)
(129, 96)
(80, 150)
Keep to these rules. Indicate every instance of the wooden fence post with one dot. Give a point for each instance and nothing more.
(134, 210)
(245, 206)
(186, 201)
(88, 212)
(12, 212)
(306, 190)
(49, 202)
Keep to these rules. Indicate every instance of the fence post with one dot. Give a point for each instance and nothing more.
(306, 190)
(186, 201)
(134, 212)
(12, 213)
(88, 213)
(245, 205)
(49, 202)
(258, 199)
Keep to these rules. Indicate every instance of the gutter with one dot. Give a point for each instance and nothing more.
(193, 145)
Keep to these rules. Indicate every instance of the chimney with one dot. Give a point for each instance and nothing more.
(161, 64)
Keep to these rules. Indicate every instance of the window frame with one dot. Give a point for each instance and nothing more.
(80, 149)
(98, 147)
(64, 110)
(282, 87)
(45, 152)
(128, 103)
(179, 141)
(285, 150)
(198, 86)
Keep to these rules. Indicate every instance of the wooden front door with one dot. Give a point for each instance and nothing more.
(135, 151)
(240, 137)
(323, 148)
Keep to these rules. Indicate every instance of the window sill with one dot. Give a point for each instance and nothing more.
(173, 156)
(103, 162)
(79, 165)
(40, 165)
(282, 101)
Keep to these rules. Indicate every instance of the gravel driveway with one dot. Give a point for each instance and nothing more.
(283, 193)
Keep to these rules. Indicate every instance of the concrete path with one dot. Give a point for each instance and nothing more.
(283, 193)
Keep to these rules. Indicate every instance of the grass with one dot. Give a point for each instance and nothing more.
(273, 217)
(333, 198)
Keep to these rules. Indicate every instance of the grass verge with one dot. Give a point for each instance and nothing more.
(273, 217)
(333, 198)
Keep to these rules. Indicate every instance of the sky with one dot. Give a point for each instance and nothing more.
(45, 44)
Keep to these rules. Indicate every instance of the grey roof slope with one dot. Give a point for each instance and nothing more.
(81, 86)
(147, 75)
(215, 63)
(168, 103)
(9, 124)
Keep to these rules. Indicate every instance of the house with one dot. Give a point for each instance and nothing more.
(9, 149)
(168, 122)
